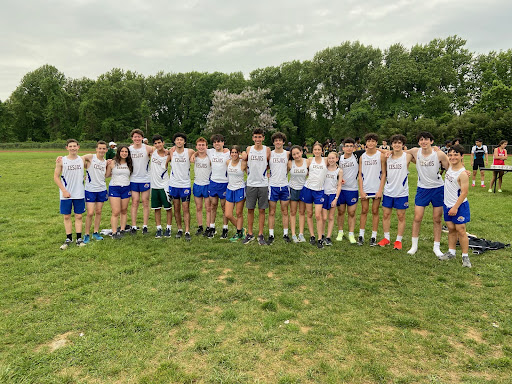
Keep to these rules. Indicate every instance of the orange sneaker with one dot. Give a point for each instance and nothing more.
(383, 242)
(397, 245)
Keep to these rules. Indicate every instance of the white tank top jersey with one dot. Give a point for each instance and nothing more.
(428, 171)
(180, 170)
(316, 177)
(72, 177)
(371, 171)
(140, 160)
(158, 170)
(331, 182)
(350, 169)
(218, 164)
(257, 168)
(298, 175)
(95, 175)
(278, 169)
(452, 187)
(397, 184)
(202, 170)
(235, 176)
(120, 176)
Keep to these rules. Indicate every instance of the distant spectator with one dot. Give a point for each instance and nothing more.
(499, 157)
(112, 148)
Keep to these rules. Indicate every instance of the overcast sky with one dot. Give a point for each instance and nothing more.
(90, 37)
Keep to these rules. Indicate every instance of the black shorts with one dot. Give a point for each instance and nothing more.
(478, 164)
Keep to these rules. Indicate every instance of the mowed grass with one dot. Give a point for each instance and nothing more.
(142, 310)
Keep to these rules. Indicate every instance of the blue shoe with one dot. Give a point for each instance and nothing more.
(96, 236)
(87, 238)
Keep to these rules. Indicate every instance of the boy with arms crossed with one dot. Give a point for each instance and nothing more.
(69, 177)
(202, 171)
(456, 206)
(159, 184)
(278, 186)
(396, 189)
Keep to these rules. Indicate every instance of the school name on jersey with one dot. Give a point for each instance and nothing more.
(394, 166)
(299, 170)
(427, 163)
(256, 158)
(347, 164)
(450, 178)
(180, 159)
(137, 155)
(316, 166)
(331, 176)
(199, 165)
(74, 167)
(232, 170)
(100, 167)
(371, 162)
(156, 161)
(217, 160)
(278, 160)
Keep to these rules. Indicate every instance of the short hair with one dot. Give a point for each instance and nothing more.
(68, 141)
(479, 140)
(179, 134)
(290, 157)
(217, 137)
(349, 140)
(258, 131)
(425, 135)
(138, 131)
(457, 148)
(357, 138)
(156, 138)
(371, 136)
(398, 137)
(278, 135)
(456, 139)
(101, 142)
(201, 140)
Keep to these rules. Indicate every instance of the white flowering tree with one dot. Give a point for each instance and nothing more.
(236, 115)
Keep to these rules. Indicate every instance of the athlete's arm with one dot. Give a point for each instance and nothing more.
(338, 189)
(289, 166)
(87, 160)
(245, 154)
(383, 165)
(472, 155)
(244, 165)
(360, 181)
(463, 181)
(486, 154)
(57, 180)
(268, 155)
(108, 171)
(444, 159)
(408, 158)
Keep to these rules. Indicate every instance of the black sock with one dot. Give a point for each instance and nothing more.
(69, 236)
(239, 231)
(78, 235)
(95, 233)
(200, 227)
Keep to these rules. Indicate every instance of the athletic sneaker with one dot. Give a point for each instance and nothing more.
(490, 190)
(144, 230)
(302, 239)
(87, 239)
(499, 190)
(270, 240)
(312, 240)
(339, 237)
(179, 234)
(286, 238)
(248, 239)
(373, 242)
(360, 240)
(383, 242)
(206, 232)
(133, 230)
(397, 245)
(66, 244)
(211, 233)
(158, 234)
(96, 236)
(167, 232)
(224, 235)
(199, 231)
(328, 242)
(80, 243)
(320, 244)
(444, 229)
(352, 239)
(117, 236)
(295, 239)
(446, 256)
(466, 262)
(187, 236)
(234, 238)
(473, 185)
(483, 185)
(261, 240)
(128, 227)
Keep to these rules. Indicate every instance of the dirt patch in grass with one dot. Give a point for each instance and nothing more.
(43, 300)
(224, 274)
(305, 301)
(270, 275)
(421, 332)
(473, 334)
(305, 329)
(58, 341)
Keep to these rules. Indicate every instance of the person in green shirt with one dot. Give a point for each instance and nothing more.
(111, 153)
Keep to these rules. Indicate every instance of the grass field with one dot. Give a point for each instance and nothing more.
(142, 310)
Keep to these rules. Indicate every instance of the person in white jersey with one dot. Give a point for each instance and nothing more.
(371, 186)
(297, 167)
(430, 188)
(278, 186)
(332, 190)
(456, 205)
(257, 157)
(313, 193)
(159, 184)
(202, 171)
(217, 188)
(235, 193)
(119, 189)
(347, 201)
(95, 189)
(179, 182)
(140, 179)
(396, 190)
(69, 177)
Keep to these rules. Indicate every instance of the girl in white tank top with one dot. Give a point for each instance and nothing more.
(298, 175)
(236, 168)
(317, 170)
(332, 190)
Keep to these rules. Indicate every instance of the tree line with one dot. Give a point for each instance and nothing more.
(347, 90)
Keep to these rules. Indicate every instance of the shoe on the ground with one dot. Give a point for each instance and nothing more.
(80, 243)
(96, 236)
(133, 231)
(261, 240)
(302, 239)
(187, 236)
(270, 240)
(211, 233)
(295, 239)
(158, 234)
(224, 235)
(248, 238)
(66, 244)
(144, 230)
(483, 186)
(352, 239)
(312, 240)
(206, 232)
(128, 227)
(117, 235)
(167, 232)
(87, 239)
(234, 238)
(499, 190)
(466, 262)
(286, 239)
(444, 229)
(328, 242)
(490, 190)
(383, 242)
(472, 185)
(373, 242)
(320, 244)
(339, 237)
(360, 240)
(199, 231)
(397, 245)
(179, 235)
(446, 256)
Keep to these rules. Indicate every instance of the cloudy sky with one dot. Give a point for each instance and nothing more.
(90, 37)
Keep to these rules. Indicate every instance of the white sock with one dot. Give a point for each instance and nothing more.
(374, 234)
(340, 231)
(386, 236)
(350, 233)
(473, 183)
(285, 231)
(225, 227)
(399, 238)
(271, 232)
(465, 254)
(482, 182)
(169, 227)
(145, 226)
(158, 227)
(452, 251)
(437, 244)
(414, 247)
(361, 232)
(212, 226)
